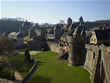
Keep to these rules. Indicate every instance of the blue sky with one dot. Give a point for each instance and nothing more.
(53, 11)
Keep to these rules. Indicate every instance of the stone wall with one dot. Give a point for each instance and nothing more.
(91, 55)
(98, 63)
(105, 64)
(6, 81)
(54, 46)
(37, 45)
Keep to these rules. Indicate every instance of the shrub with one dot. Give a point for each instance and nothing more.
(27, 55)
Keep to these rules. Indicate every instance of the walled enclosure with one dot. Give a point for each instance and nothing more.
(97, 61)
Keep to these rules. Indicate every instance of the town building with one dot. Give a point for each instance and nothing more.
(100, 36)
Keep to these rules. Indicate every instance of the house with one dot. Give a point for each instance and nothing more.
(55, 33)
(18, 39)
(100, 36)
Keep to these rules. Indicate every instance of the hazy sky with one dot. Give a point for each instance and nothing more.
(53, 11)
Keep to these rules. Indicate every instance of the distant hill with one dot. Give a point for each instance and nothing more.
(8, 25)
(97, 23)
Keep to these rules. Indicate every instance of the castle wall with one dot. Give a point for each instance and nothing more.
(106, 63)
(54, 46)
(91, 56)
(98, 63)
(37, 45)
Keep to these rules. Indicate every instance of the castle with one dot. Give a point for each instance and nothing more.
(94, 56)
(71, 42)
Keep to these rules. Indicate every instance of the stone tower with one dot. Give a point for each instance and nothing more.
(76, 46)
(24, 29)
(57, 32)
(32, 32)
(69, 21)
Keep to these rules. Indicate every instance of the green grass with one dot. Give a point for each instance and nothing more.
(53, 70)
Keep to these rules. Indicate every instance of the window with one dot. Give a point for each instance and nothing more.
(94, 40)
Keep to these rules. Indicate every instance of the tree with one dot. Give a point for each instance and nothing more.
(6, 51)
(6, 47)
(27, 55)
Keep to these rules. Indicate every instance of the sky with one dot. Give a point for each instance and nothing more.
(51, 11)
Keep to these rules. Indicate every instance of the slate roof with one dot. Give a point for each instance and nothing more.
(19, 35)
(15, 35)
(79, 30)
(35, 26)
(26, 24)
(51, 32)
(72, 26)
(68, 33)
(102, 34)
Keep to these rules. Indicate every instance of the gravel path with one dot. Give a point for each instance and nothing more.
(32, 52)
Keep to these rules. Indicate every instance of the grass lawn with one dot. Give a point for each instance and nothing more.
(53, 70)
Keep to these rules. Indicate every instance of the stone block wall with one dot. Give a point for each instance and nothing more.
(6, 81)
(105, 64)
(37, 45)
(98, 63)
(54, 46)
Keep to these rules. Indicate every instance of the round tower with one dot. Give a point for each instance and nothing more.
(76, 47)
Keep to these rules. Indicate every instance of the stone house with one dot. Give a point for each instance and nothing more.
(18, 39)
(35, 31)
(55, 33)
(100, 36)
(24, 28)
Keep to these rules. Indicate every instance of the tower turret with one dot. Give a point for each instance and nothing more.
(57, 32)
(69, 21)
(77, 46)
(81, 20)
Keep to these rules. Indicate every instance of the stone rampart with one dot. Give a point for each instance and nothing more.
(54, 46)
(98, 63)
